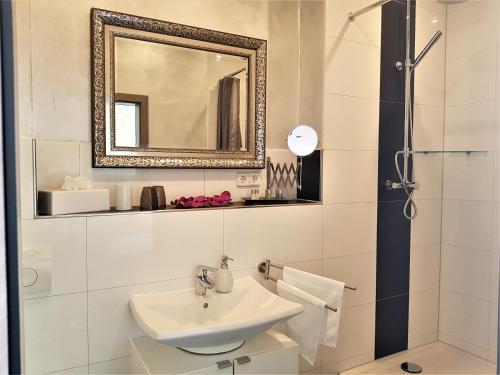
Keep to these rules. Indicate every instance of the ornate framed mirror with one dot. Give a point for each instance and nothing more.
(166, 95)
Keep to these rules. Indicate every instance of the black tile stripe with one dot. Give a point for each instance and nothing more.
(393, 229)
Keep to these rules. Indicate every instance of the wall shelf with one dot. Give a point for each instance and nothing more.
(170, 208)
(468, 152)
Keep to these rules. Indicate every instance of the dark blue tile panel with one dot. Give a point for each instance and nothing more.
(391, 326)
(393, 250)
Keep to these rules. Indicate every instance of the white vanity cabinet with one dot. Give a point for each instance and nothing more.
(267, 353)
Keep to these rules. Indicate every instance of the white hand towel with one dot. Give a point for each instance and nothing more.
(306, 327)
(328, 290)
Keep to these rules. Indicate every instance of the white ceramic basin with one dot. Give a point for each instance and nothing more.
(181, 318)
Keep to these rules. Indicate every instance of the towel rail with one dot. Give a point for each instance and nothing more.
(265, 266)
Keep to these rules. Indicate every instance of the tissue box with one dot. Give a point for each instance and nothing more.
(60, 202)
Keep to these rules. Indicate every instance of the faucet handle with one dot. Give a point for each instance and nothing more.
(202, 269)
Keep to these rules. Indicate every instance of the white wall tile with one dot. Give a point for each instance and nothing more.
(493, 332)
(80, 370)
(464, 318)
(467, 223)
(356, 335)
(349, 229)
(495, 227)
(415, 342)
(22, 61)
(111, 322)
(65, 239)
(426, 227)
(429, 82)
(55, 330)
(428, 127)
(466, 271)
(350, 123)
(429, 175)
(349, 176)
(26, 177)
(470, 126)
(468, 176)
(54, 161)
(463, 345)
(427, 22)
(472, 29)
(494, 271)
(132, 249)
(455, 7)
(358, 270)
(60, 111)
(364, 29)
(434, 6)
(282, 234)
(343, 56)
(423, 314)
(424, 267)
(496, 177)
(471, 78)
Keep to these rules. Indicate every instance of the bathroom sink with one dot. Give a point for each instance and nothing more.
(215, 323)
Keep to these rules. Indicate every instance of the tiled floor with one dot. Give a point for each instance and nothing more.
(435, 358)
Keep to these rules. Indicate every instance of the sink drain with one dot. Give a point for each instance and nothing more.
(205, 305)
(412, 368)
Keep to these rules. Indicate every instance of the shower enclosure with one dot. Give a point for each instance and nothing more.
(447, 167)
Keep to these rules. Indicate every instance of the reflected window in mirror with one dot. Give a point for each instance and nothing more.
(131, 118)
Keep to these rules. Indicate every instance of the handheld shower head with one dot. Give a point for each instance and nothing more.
(426, 49)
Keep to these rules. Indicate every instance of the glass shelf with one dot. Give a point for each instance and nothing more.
(468, 152)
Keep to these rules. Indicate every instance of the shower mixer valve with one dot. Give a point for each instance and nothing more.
(391, 185)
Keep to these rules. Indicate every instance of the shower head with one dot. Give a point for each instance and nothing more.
(426, 49)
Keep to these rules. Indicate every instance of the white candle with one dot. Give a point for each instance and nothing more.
(123, 197)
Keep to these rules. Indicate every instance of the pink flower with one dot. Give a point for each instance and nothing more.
(216, 201)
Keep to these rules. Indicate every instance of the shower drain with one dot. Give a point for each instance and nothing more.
(412, 368)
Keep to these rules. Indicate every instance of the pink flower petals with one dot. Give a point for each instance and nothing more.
(216, 201)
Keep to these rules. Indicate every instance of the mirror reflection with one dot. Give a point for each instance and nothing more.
(173, 97)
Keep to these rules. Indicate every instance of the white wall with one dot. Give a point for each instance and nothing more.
(469, 253)
(350, 147)
(99, 261)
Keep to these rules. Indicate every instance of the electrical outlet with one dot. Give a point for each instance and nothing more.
(254, 179)
(242, 179)
(248, 179)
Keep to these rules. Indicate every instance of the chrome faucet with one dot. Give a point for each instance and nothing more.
(202, 280)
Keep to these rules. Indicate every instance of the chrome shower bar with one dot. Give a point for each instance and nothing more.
(352, 15)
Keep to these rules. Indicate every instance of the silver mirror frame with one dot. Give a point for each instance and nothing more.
(101, 155)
